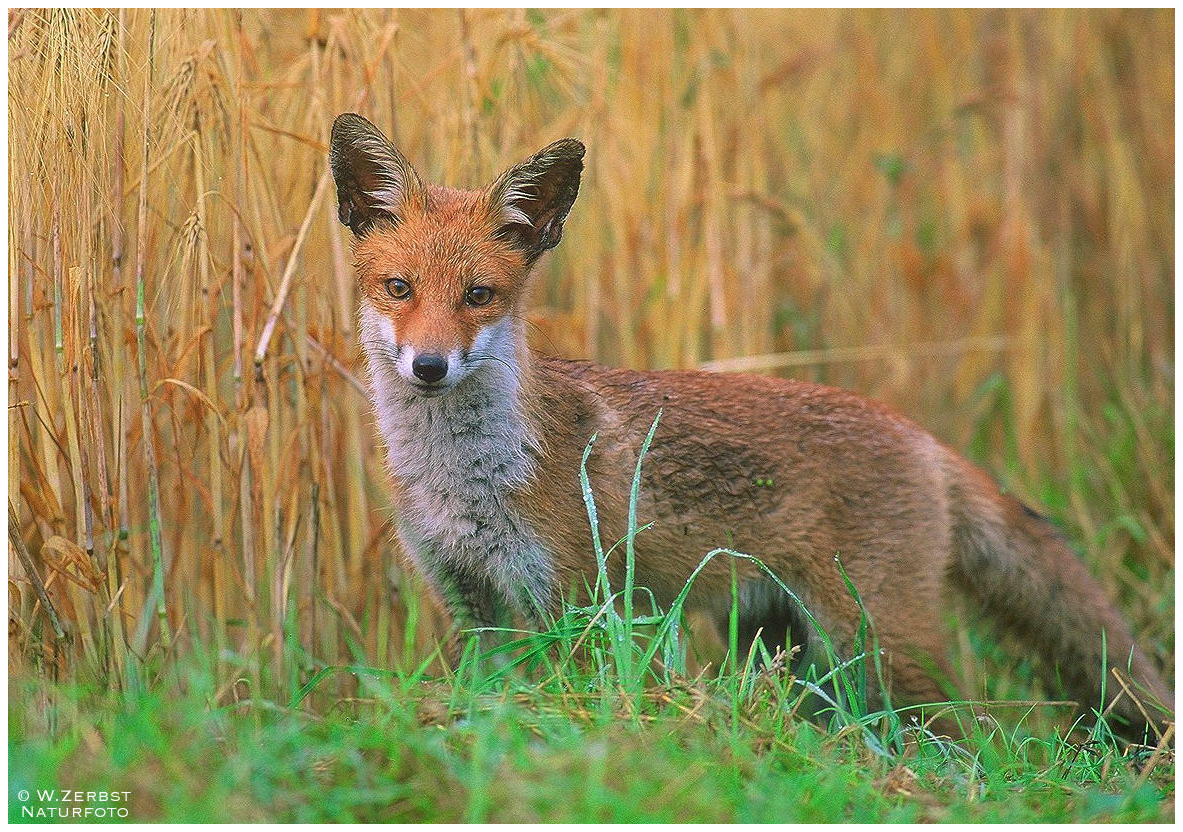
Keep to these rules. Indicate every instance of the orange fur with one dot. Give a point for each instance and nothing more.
(440, 249)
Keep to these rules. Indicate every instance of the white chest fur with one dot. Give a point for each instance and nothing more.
(458, 458)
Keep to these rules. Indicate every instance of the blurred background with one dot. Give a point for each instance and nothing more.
(968, 214)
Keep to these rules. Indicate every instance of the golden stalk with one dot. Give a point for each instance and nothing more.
(210, 373)
(26, 560)
(154, 537)
(18, 256)
(285, 283)
(870, 352)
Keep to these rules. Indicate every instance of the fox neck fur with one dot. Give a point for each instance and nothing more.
(457, 458)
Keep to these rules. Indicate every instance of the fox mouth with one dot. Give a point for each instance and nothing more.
(429, 391)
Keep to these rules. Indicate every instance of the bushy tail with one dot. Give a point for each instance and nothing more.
(1021, 573)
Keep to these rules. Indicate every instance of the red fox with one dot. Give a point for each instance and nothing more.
(485, 438)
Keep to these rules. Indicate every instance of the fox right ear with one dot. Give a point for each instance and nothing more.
(532, 200)
(374, 181)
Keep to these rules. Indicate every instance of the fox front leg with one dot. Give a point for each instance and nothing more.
(473, 602)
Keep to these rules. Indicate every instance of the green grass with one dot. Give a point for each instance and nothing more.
(516, 752)
(596, 719)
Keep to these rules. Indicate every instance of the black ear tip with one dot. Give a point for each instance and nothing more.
(351, 124)
(573, 148)
(348, 119)
(570, 150)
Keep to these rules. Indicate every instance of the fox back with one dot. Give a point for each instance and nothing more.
(485, 440)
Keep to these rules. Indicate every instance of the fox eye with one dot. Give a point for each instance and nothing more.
(398, 288)
(478, 295)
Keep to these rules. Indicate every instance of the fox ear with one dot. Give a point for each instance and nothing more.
(374, 181)
(532, 199)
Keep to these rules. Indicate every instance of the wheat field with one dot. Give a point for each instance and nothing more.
(968, 214)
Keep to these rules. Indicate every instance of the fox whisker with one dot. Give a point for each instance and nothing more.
(474, 357)
(382, 349)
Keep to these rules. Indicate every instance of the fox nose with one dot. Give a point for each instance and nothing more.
(430, 367)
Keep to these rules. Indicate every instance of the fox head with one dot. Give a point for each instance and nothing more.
(442, 272)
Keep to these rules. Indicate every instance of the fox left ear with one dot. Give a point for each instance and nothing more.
(374, 181)
(532, 199)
